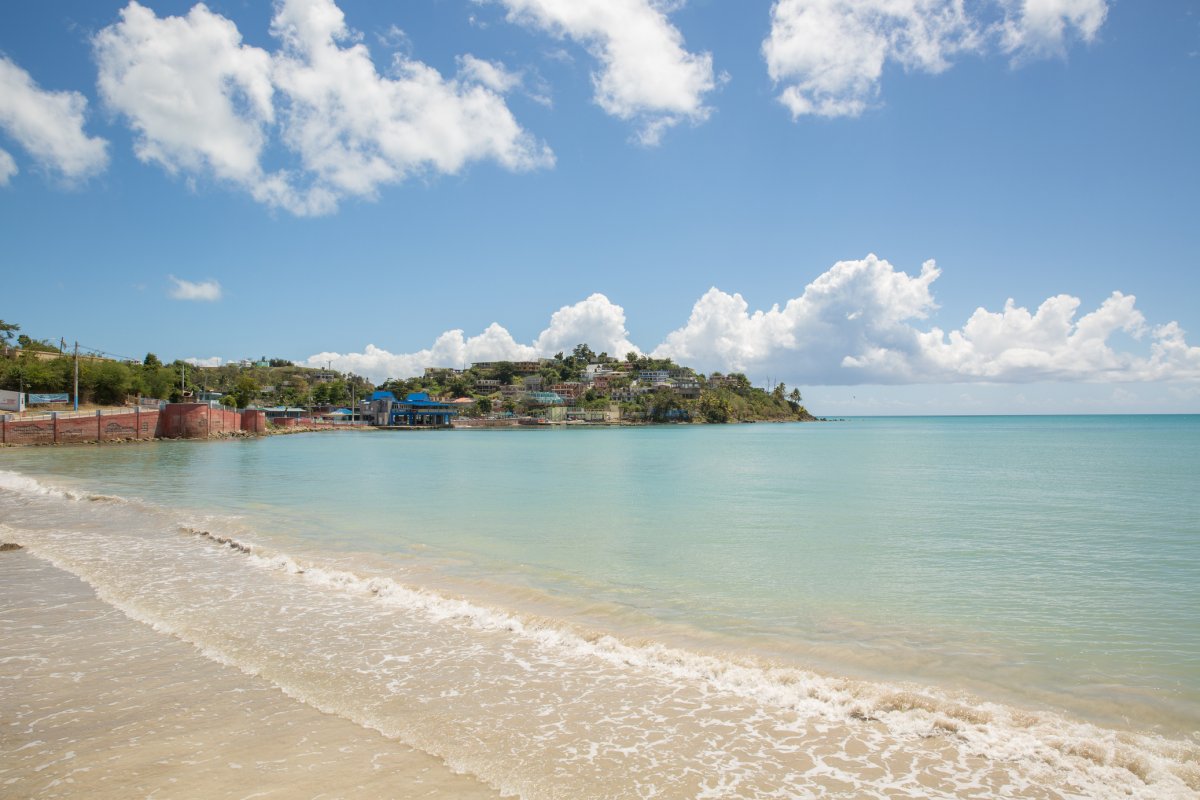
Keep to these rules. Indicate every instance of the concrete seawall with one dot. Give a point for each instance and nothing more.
(175, 421)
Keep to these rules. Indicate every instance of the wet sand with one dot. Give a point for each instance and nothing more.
(96, 705)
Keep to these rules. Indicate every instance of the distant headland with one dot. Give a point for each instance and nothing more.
(579, 387)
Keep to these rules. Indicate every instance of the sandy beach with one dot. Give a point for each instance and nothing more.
(94, 704)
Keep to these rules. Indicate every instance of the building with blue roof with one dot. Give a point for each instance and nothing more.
(416, 410)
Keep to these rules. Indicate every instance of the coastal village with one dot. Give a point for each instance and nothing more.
(39, 380)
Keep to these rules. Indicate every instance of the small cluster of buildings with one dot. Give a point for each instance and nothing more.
(619, 381)
(547, 401)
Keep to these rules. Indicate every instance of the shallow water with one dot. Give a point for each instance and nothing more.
(97, 705)
(878, 607)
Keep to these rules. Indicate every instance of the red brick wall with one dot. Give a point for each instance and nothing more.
(177, 421)
(118, 426)
(184, 421)
(33, 431)
(77, 429)
(254, 421)
(84, 428)
(198, 420)
(147, 424)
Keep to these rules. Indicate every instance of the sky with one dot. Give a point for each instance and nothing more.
(898, 206)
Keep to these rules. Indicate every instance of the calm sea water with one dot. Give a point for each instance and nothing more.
(1027, 586)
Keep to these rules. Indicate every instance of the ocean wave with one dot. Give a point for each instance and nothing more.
(23, 484)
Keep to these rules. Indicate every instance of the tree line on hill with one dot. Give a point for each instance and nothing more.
(37, 366)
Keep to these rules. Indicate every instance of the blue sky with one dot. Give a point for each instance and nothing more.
(752, 186)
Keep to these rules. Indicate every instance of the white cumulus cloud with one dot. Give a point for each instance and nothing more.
(860, 322)
(1036, 28)
(199, 99)
(855, 307)
(451, 349)
(205, 104)
(596, 321)
(48, 125)
(187, 290)
(355, 130)
(829, 55)
(646, 75)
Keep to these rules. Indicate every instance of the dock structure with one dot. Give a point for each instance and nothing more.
(416, 410)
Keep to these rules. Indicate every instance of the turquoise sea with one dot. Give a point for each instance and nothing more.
(1019, 596)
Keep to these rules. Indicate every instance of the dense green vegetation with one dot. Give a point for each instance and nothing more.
(41, 367)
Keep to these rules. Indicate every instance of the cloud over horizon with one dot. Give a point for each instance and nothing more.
(858, 323)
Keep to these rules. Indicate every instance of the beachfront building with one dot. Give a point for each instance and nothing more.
(610, 414)
(274, 413)
(416, 410)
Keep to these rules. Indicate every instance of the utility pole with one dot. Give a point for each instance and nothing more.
(76, 375)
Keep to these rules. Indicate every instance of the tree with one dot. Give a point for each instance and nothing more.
(151, 360)
(584, 353)
(41, 346)
(505, 371)
(296, 394)
(245, 389)
(153, 381)
(660, 403)
(780, 388)
(715, 407)
(7, 328)
(109, 382)
(794, 398)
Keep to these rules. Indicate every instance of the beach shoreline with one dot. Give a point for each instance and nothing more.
(98, 705)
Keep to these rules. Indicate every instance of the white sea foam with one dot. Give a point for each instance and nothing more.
(23, 484)
(1101, 760)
